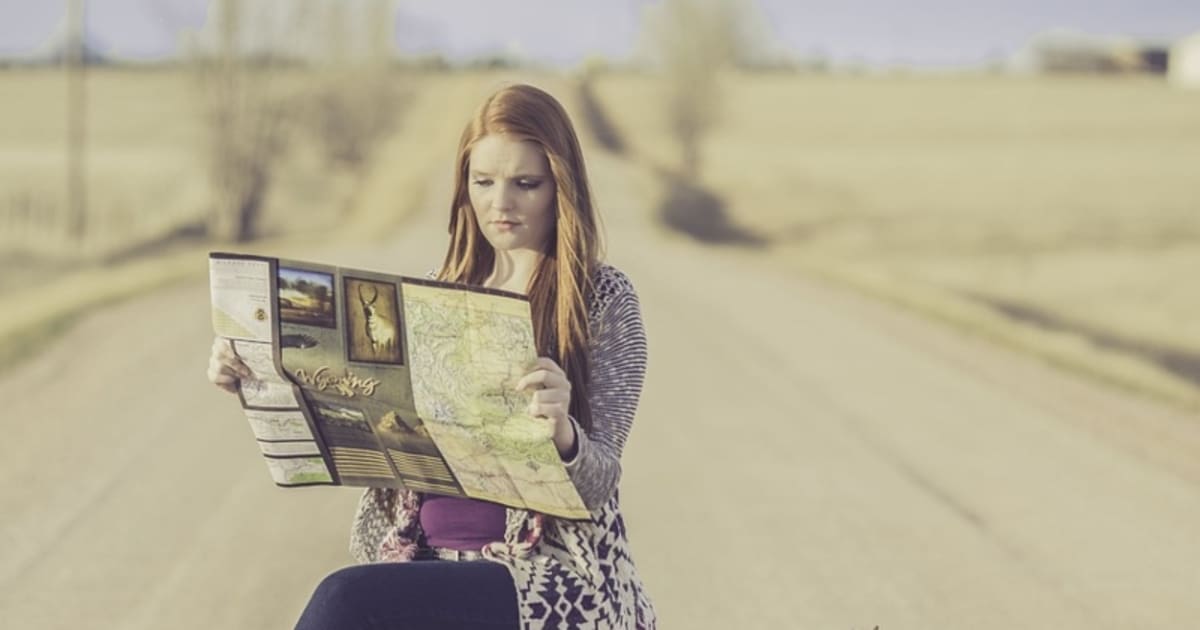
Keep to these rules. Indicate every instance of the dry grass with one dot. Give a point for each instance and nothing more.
(1074, 198)
(146, 162)
(38, 303)
(143, 169)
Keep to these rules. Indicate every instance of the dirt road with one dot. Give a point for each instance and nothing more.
(803, 458)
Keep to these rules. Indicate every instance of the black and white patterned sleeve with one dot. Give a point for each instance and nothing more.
(618, 369)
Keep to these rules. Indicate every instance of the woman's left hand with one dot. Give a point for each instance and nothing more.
(551, 400)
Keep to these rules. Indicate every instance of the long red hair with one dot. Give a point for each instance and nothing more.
(561, 285)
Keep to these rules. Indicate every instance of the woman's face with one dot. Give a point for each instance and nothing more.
(512, 192)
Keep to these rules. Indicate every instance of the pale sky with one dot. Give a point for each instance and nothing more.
(926, 33)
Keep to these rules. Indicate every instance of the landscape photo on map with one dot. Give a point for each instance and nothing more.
(342, 424)
(306, 297)
(355, 450)
(416, 457)
(405, 432)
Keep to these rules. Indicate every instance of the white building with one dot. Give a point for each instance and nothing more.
(1183, 69)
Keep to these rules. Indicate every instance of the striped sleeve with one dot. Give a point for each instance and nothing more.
(618, 369)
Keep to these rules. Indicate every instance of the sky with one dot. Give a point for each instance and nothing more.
(918, 33)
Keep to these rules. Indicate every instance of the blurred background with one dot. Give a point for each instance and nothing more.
(933, 267)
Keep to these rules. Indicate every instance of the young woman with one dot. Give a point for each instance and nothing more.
(521, 220)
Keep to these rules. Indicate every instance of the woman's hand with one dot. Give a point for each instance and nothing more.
(225, 369)
(551, 400)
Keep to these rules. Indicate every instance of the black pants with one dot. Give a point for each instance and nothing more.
(429, 594)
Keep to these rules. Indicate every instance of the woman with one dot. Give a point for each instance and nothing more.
(521, 220)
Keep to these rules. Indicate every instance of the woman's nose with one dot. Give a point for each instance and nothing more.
(502, 196)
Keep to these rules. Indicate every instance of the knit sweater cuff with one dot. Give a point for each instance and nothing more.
(580, 444)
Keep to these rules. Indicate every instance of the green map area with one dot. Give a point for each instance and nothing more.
(467, 350)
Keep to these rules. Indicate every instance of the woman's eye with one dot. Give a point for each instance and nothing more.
(529, 185)
(483, 182)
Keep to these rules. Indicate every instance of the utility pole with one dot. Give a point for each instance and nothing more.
(226, 212)
(382, 16)
(76, 122)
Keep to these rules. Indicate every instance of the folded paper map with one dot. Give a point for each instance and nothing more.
(369, 379)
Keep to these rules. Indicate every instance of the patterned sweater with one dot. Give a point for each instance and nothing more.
(568, 574)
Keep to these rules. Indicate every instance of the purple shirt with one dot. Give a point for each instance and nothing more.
(461, 523)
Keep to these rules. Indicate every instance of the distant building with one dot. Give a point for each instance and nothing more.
(1184, 67)
(1071, 52)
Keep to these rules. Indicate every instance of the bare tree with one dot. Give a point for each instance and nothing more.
(345, 100)
(245, 115)
(76, 67)
(356, 101)
(692, 41)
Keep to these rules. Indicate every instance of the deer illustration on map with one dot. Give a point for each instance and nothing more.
(381, 331)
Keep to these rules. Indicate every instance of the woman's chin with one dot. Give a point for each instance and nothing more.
(506, 244)
(503, 245)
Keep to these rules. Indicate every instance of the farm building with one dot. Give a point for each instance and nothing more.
(1063, 51)
(1184, 67)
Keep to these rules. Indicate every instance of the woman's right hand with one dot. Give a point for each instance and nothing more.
(225, 369)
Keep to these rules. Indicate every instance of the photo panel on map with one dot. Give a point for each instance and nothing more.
(414, 453)
(307, 297)
(356, 453)
(362, 351)
(374, 333)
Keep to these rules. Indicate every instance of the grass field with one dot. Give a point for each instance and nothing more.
(144, 149)
(1062, 204)
(1068, 203)
(146, 162)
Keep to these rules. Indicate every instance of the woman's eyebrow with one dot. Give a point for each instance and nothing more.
(475, 173)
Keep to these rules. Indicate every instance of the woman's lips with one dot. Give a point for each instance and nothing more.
(505, 225)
